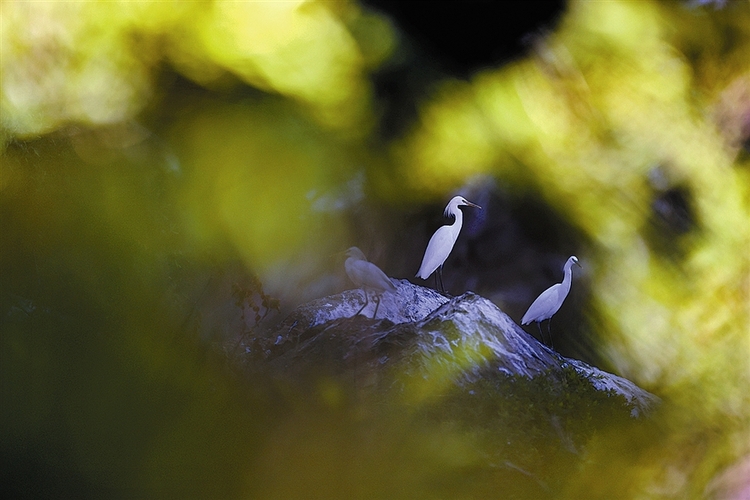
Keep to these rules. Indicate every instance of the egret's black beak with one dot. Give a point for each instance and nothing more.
(473, 205)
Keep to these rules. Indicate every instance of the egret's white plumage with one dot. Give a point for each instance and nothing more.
(442, 241)
(549, 302)
(367, 276)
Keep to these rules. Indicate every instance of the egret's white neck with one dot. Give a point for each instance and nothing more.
(459, 215)
(568, 278)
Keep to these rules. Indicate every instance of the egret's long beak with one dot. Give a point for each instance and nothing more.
(577, 264)
(473, 205)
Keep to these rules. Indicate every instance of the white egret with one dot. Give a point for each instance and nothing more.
(442, 241)
(367, 276)
(549, 302)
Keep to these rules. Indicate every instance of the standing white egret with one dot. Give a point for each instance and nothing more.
(367, 276)
(442, 241)
(548, 303)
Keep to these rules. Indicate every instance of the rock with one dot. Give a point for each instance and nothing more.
(410, 303)
(642, 401)
(456, 376)
(422, 342)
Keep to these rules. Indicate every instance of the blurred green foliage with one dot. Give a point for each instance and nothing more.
(533, 431)
(264, 116)
(95, 62)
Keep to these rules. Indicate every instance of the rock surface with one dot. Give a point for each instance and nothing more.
(455, 376)
(420, 338)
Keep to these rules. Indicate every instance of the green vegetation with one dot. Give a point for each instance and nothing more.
(533, 432)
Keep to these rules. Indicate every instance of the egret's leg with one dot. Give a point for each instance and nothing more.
(366, 302)
(376, 306)
(440, 275)
(549, 333)
(541, 335)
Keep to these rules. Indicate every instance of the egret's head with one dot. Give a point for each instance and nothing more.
(574, 260)
(355, 253)
(458, 201)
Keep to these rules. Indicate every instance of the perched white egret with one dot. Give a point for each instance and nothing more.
(367, 276)
(549, 302)
(442, 241)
